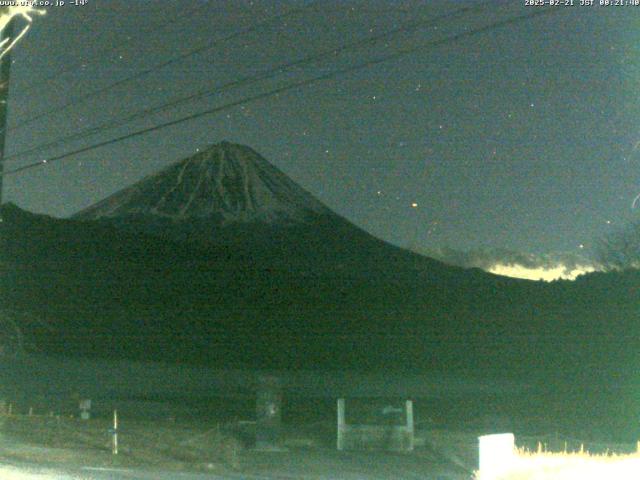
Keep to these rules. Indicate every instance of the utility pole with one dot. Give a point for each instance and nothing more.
(5, 71)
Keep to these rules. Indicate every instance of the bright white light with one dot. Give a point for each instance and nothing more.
(499, 460)
(572, 466)
(496, 455)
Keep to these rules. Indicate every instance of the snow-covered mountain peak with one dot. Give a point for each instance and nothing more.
(226, 182)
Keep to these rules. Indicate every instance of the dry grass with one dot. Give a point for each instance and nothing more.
(527, 465)
(157, 444)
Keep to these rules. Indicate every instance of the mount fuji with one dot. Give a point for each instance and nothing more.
(225, 188)
(225, 183)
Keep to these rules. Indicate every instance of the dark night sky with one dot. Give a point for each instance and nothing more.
(524, 137)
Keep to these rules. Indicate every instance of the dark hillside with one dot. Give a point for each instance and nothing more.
(105, 292)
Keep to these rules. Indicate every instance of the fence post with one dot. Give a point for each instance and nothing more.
(409, 415)
(497, 455)
(114, 449)
(341, 424)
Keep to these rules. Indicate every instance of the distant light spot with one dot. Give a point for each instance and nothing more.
(414, 205)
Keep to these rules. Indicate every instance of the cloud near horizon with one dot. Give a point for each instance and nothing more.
(548, 267)
(559, 272)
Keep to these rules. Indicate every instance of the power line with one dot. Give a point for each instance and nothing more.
(81, 99)
(247, 80)
(291, 86)
(158, 27)
(102, 52)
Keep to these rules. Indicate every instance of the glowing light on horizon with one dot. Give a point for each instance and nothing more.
(6, 15)
(558, 272)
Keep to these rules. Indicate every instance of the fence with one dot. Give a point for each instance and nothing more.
(383, 435)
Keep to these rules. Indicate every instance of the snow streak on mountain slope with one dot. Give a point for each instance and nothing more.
(227, 183)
